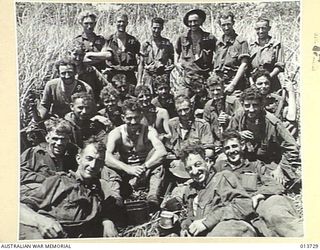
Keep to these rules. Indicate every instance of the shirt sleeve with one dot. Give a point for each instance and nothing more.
(178, 46)
(46, 99)
(244, 50)
(280, 57)
(206, 136)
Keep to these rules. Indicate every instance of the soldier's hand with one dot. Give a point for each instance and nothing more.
(288, 85)
(109, 229)
(278, 175)
(237, 93)
(136, 170)
(247, 134)
(197, 227)
(256, 199)
(48, 227)
(229, 89)
(223, 118)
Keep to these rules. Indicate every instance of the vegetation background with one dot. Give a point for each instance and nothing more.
(44, 29)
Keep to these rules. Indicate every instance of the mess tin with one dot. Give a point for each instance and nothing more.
(166, 219)
(249, 181)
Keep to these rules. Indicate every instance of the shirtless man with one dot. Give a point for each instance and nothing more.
(153, 116)
(141, 153)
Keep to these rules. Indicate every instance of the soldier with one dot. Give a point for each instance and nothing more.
(121, 83)
(57, 92)
(232, 55)
(91, 41)
(195, 49)
(157, 56)
(120, 51)
(267, 53)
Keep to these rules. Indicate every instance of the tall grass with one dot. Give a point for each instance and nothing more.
(44, 29)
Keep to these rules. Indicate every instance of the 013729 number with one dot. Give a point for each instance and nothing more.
(314, 246)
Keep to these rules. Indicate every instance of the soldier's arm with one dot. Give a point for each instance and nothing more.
(140, 70)
(165, 120)
(159, 149)
(45, 103)
(279, 65)
(28, 173)
(207, 140)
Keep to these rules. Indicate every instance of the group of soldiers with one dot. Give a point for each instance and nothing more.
(214, 121)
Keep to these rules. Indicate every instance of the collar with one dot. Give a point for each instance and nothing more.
(92, 184)
(84, 36)
(271, 42)
(233, 37)
(188, 35)
(225, 163)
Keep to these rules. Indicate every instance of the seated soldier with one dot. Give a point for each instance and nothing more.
(217, 204)
(69, 206)
(265, 135)
(83, 119)
(109, 99)
(198, 92)
(164, 99)
(56, 155)
(125, 89)
(282, 105)
(141, 153)
(218, 111)
(57, 92)
(155, 117)
(274, 209)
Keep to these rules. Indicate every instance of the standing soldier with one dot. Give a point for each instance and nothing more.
(195, 48)
(232, 55)
(157, 56)
(267, 53)
(91, 41)
(120, 51)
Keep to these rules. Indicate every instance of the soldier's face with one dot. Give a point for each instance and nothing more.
(263, 85)
(110, 103)
(216, 92)
(77, 57)
(67, 74)
(90, 162)
(252, 108)
(82, 109)
(132, 120)
(184, 111)
(262, 28)
(122, 87)
(194, 21)
(226, 25)
(144, 99)
(197, 168)
(156, 29)
(88, 24)
(57, 142)
(163, 91)
(121, 23)
(233, 149)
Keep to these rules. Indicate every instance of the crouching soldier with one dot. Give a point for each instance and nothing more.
(217, 204)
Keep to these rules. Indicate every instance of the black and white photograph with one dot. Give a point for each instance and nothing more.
(159, 120)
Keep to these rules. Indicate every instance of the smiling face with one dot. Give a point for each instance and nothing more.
(121, 23)
(262, 28)
(163, 91)
(144, 99)
(132, 120)
(88, 24)
(216, 91)
(263, 85)
(90, 162)
(82, 109)
(233, 149)
(252, 108)
(197, 168)
(57, 142)
(67, 74)
(110, 103)
(194, 22)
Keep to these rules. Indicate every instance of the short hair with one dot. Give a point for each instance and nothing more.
(76, 46)
(215, 80)
(181, 98)
(188, 149)
(230, 134)
(58, 125)
(83, 95)
(161, 80)
(263, 19)
(119, 78)
(131, 105)
(225, 15)
(86, 13)
(261, 72)
(121, 13)
(99, 145)
(251, 93)
(66, 60)
(107, 92)
(142, 89)
(158, 20)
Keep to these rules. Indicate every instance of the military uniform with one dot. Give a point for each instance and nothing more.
(95, 44)
(267, 57)
(156, 56)
(124, 56)
(228, 58)
(167, 104)
(54, 98)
